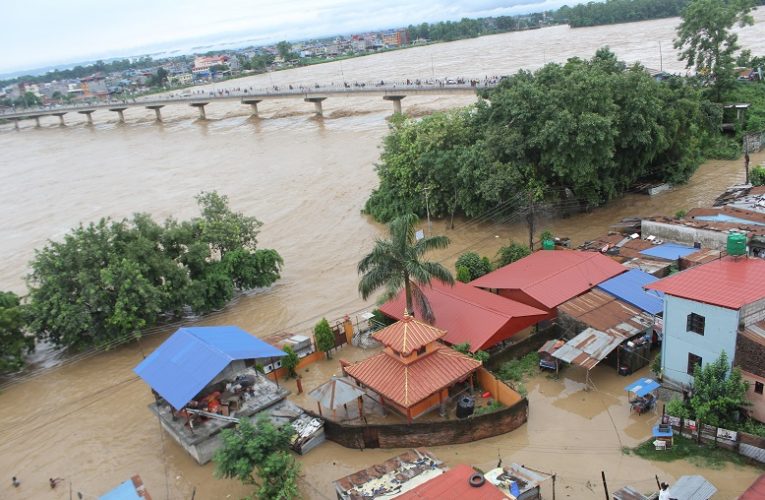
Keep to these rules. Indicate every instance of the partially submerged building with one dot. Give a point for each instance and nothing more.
(711, 308)
(205, 379)
(548, 278)
(414, 373)
(470, 315)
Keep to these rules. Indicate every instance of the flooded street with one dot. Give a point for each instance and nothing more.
(307, 180)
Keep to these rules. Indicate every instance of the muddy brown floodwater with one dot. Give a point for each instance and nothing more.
(307, 180)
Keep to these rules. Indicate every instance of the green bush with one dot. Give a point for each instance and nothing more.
(757, 176)
(325, 339)
(474, 264)
(290, 361)
(511, 253)
(518, 369)
(677, 408)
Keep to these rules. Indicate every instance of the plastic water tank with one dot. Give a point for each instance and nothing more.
(548, 245)
(465, 406)
(736, 244)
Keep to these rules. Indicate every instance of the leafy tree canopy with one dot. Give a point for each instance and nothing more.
(476, 265)
(325, 339)
(111, 279)
(718, 392)
(259, 455)
(14, 344)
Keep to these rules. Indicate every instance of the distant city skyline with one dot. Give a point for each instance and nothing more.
(54, 33)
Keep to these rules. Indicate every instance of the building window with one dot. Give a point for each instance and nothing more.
(695, 323)
(693, 362)
(758, 387)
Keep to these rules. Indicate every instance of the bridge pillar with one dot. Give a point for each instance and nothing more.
(254, 104)
(60, 118)
(156, 108)
(120, 113)
(396, 99)
(201, 106)
(88, 113)
(316, 104)
(37, 121)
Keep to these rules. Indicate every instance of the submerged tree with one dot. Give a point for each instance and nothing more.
(259, 455)
(14, 344)
(706, 42)
(398, 263)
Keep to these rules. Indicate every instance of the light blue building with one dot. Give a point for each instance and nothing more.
(705, 308)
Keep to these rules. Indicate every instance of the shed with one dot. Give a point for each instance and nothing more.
(192, 357)
(629, 287)
(692, 488)
(454, 483)
(588, 349)
(669, 251)
(628, 493)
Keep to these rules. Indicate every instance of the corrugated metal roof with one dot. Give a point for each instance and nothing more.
(628, 493)
(335, 393)
(408, 384)
(471, 315)
(669, 251)
(729, 282)
(553, 277)
(629, 288)
(588, 348)
(407, 335)
(692, 488)
(191, 357)
(454, 484)
(125, 491)
(756, 491)
(606, 313)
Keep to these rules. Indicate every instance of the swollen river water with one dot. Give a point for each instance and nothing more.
(307, 180)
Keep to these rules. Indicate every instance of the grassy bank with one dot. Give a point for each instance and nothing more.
(701, 455)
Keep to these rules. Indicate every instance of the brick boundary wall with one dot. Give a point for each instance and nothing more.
(421, 434)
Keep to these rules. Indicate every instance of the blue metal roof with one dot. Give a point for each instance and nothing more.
(669, 251)
(125, 491)
(191, 357)
(643, 386)
(629, 288)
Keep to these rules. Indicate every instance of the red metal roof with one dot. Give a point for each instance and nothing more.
(471, 315)
(729, 282)
(552, 277)
(408, 384)
(408, 335)
(454, 485)
(755, 492)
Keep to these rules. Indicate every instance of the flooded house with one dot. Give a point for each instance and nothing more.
(471, 315)
(548, 278)
(414, 373)
(205, 379)
(716, 307)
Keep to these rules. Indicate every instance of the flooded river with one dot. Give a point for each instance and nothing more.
(307, 180)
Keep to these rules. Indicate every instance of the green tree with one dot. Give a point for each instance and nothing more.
(706, 42)
(290, 361)
(757, 176)
(259, 455)
(718, 394)
(285, 49)
(398, 263)
(224, 229)
(475, 265)
(510, 253)
(464, 348)
(14, 344)
(325, 339)
(463, 274)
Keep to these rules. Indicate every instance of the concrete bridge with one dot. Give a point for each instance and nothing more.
(394, 93)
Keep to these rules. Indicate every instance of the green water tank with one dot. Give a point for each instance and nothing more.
(548, 245)
(736, 244)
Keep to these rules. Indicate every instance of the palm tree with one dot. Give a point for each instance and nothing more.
(397, 263)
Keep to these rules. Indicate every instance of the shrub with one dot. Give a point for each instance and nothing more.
(475, 265)
(757, 176)
(325, 339)
(290, 361)
(511, 253)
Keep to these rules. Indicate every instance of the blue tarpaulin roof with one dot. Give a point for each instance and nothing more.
(187, 361)
(643, 386)
(629, 288)
(669, 251)
(125, 491)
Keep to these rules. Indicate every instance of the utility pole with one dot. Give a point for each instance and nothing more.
(427, 209)
(553, 478)
(661, 59)
(530, 220)
(605, 486)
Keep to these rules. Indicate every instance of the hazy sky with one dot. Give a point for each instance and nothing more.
(48, 32)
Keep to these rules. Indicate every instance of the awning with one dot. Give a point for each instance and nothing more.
(335, 393)
(588, 348)
(643, 386)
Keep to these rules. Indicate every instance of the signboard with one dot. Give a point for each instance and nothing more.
(726, 434)
(690, 425)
